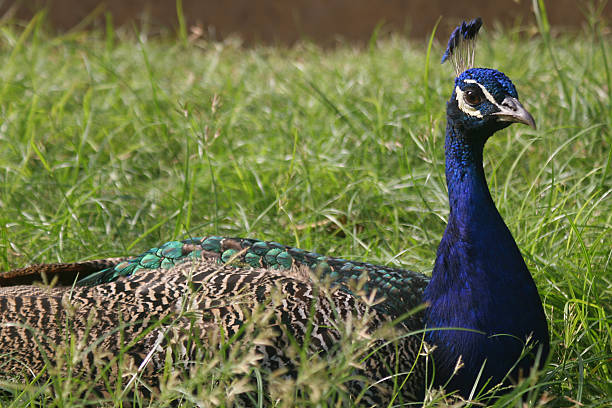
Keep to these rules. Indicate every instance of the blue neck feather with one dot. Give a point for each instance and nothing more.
(480, 281)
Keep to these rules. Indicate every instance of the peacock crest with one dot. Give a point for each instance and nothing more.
(462, 45)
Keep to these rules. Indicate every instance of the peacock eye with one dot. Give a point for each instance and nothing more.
(472, 97)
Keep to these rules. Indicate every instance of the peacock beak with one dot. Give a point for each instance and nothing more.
(511, 110)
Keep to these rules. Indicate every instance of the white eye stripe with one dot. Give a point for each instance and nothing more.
(487, 95)
(466, 108)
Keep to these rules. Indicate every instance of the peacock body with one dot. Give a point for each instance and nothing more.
(482, 304)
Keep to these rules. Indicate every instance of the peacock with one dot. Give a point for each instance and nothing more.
(482, 321)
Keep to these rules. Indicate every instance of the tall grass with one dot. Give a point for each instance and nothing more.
(113, 143)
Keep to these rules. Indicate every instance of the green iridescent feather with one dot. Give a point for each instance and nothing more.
(396, 288)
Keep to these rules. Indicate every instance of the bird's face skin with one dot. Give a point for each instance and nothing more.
(484, 101)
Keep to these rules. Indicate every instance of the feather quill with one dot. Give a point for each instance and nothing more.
(462, 44)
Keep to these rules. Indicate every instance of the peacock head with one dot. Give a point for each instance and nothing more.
(484, 100)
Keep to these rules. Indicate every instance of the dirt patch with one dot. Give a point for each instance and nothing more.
(286, 21)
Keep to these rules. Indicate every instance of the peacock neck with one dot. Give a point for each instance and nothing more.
(470, 201)
(476, 236)
(479, 281)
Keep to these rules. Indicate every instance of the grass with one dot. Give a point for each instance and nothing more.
(112, 143)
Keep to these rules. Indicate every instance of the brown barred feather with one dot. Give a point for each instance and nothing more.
(200, 297)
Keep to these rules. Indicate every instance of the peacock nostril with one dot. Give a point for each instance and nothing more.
(510, 104)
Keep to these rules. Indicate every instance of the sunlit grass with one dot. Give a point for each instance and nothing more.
(112, 144)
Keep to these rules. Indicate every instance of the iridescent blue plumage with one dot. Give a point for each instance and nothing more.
(496, 82)
(480, 281)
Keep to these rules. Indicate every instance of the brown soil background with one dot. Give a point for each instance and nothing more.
(287, 21)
